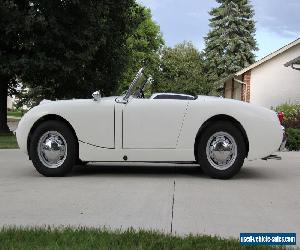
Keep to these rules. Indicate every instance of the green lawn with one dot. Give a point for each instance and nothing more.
(17, 114)
(8, 141)
(83, 238)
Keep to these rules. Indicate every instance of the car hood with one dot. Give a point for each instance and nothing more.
(76, 101)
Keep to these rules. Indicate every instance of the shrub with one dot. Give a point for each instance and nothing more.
(293, 122)
(290, 110)
(291, 115)
(293, 142)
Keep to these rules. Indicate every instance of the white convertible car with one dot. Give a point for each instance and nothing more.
(218, 134)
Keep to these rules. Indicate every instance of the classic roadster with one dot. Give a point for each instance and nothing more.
(217, 133)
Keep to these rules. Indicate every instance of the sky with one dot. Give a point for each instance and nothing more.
(277, 21)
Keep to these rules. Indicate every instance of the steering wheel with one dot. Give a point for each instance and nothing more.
(140, 94)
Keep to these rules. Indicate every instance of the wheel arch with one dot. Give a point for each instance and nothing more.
(220, 117)
(49, 117)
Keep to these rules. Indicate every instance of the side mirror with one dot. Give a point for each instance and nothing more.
(97, 96)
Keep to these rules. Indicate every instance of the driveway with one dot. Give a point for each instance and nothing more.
(263, 197)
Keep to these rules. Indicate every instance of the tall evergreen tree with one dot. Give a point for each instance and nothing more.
(230, 43)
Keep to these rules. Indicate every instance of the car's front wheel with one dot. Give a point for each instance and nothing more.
(221, 150)
(53, 148)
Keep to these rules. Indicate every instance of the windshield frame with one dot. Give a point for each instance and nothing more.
(134, 90)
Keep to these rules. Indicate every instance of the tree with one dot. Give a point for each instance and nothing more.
(230, 43)
(181, 71)
(11, 24)
(63, 48)
(143, 45)
(87, 41)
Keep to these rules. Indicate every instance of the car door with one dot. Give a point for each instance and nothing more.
(93, 121)
(152, 123)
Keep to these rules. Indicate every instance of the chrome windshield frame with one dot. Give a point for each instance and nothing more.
(131, 92)
(132, 85)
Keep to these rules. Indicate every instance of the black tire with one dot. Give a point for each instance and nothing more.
(72, 154)
(236, 134)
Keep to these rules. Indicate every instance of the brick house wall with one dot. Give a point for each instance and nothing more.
(246, 90)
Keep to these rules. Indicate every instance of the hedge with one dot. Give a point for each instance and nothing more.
(291, 115)
(293, 142)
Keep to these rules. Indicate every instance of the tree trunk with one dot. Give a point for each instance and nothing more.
(3, 104)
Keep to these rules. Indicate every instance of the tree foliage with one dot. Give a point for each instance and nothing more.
(143, 45)
(230, 42)
(69, 48)
(181, 71)
(11, 24)
(80, 46)
(64, 48)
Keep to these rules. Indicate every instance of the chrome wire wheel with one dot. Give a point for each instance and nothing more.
(52, 149)
(221, 150)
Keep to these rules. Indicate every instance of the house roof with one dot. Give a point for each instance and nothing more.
(269, 57)
(263, 60)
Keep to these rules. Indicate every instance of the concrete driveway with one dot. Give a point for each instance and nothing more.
(264, 197)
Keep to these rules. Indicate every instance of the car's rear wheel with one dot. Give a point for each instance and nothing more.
(221, 150)
(53, 148)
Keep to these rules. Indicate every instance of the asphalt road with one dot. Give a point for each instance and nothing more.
(263, 197)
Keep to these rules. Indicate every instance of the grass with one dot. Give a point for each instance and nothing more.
(84, 238)
(17, 114)
(8, 141)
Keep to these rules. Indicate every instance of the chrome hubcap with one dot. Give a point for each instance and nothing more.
(52, 149)
(221, 150)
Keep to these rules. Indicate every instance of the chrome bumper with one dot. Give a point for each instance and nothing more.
(284, 140)
(281, 148)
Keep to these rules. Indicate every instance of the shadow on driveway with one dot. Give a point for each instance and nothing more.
(137, 170)
(178, 171)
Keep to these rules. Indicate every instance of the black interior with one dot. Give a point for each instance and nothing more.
(175, 97)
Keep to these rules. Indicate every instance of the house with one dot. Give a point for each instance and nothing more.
(13, 100)
(270, 81)
(293, 63)
(10, 102)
